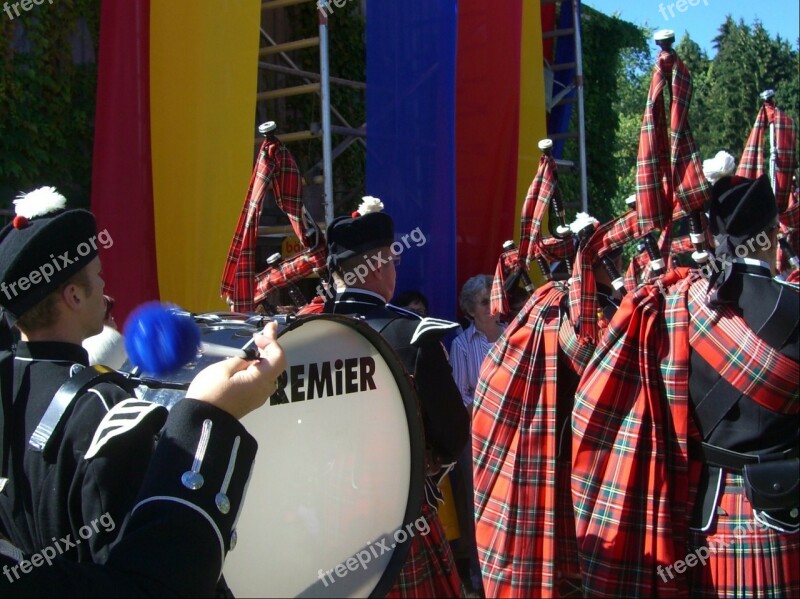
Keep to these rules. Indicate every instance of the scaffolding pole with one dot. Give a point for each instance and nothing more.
(327, 153)
(576, 19)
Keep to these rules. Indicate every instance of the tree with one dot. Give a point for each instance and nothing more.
(725, 99)
(748, 61)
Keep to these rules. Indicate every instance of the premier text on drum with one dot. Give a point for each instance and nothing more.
(326, 379)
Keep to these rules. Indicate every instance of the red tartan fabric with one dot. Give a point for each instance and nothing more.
(630, 475)
(315, 306)
(733, 350)
(535, 207)
(790, 227)
(751, 165)
(290, 271)
(517, 508)
(430, 569)
(583, 306)
(790, 218)
(633, 483)
(742, 558)
(535, 211)
(237, 278)
(668, 172)
(274, 166)
(507, 264)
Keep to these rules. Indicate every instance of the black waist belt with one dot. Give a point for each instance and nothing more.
(733, 460)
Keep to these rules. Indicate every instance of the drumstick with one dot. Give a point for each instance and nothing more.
(215, 349)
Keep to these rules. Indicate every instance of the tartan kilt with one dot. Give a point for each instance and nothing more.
(744, 558)
(430, 569)
(567, 566)
(523, 506)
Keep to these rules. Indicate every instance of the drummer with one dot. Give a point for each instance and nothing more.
(66, 463)
(363, 271)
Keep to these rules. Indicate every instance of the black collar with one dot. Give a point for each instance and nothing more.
(358, 296)
(52, 350)
(751, 269)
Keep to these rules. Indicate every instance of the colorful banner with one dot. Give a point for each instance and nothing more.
(462, 179)
(203, 75)
(411, 52)
(487, 127)
(173, 144)
(122, 193)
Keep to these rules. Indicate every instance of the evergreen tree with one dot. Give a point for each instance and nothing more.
(748, 61)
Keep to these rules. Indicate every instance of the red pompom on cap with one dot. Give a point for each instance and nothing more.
(355, 214)
(20, 222)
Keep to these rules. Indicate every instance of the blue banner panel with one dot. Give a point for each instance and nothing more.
(411, 56)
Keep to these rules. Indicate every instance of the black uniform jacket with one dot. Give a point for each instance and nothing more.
(417, 342)
(80, 477)
(176, 539)
(749, 427)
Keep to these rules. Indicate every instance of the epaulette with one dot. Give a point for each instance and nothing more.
(80, 381)
(122, 418)
(404, 311)
(433, 327)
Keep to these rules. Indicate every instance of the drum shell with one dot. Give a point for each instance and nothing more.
(324, 482)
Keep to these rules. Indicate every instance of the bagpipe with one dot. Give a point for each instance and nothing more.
(782, 174)
(241, 287)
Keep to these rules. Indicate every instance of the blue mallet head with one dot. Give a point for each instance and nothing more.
(159, 339)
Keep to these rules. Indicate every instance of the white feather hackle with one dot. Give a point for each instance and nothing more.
(39, 202)
(582, 220)
(369, 204)
(107, 348)
(721, 165)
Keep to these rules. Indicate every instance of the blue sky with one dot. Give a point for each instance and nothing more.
(702, 18)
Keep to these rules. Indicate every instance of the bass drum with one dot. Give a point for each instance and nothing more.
(338, 481)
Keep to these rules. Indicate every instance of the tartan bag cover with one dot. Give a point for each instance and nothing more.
(532, 245)
(583, 305)
(633, 485)
(630, 477)
(534, 209)
(289, 271)
(430, 569)
(751, 165)
(275, 166)
(507, 264)
(672, 172)
(534, 212)
(514, 449)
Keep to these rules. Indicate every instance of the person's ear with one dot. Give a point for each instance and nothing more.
(72, 295)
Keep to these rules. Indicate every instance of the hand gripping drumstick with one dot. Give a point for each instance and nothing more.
(161, 340)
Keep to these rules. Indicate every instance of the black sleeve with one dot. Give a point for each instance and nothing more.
(446, 420)
(176, 539)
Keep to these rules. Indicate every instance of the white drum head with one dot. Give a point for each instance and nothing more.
(338, 472)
